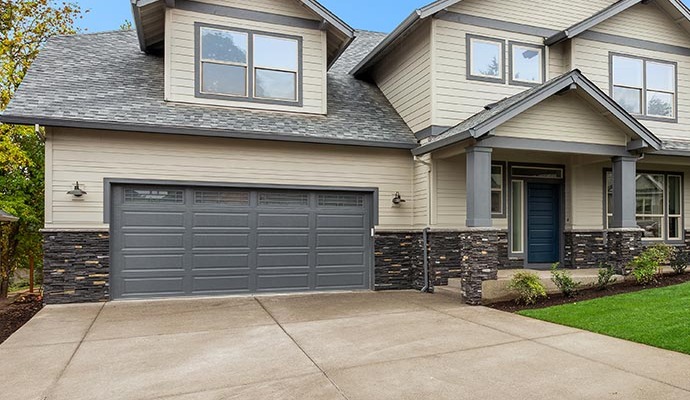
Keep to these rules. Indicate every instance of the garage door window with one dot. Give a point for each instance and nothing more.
(154, 196)
(341, 200)
(219, 197)
(283, 199)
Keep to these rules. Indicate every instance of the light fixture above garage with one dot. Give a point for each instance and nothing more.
(77, 191)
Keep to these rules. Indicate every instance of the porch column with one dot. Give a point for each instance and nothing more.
(479, 187)
(624, 194)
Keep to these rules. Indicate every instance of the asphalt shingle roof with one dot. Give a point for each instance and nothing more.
(104, 80)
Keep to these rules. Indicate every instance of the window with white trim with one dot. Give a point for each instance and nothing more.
(659, 204)
(248, 65)
(527, 63)
(497, 190)
(517, 217)
(486, 58)
(644, 87)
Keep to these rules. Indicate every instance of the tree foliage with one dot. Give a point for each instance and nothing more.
(25, 26)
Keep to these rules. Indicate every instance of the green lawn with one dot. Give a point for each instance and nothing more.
(657, 317)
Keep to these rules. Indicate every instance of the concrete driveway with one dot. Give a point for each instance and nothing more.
(398, 345)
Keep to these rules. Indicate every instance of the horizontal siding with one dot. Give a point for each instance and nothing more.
(450, 176)
(90, 156)
(566, 118)
(420, 192)
(542, 13)
(455, 97)
(592, 58)
(647, 22)
(405, 78)
(292, 8)
(180, 52)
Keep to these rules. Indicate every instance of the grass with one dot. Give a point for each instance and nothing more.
(656, 317)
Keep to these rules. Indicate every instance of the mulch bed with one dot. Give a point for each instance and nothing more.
(15, 314)
(588, 293)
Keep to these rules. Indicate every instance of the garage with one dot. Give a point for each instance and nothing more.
(171, 241)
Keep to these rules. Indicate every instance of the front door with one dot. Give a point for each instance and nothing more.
(543, 215)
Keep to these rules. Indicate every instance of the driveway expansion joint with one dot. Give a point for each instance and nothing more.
(325, 374)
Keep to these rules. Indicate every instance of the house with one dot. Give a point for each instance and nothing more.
(235, 146)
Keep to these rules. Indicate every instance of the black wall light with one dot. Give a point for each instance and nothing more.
(397, 199)
(77, 191)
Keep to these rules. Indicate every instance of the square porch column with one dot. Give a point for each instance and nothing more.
(479, 187)
(624, 192)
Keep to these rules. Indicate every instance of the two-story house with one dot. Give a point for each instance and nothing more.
(236, 146)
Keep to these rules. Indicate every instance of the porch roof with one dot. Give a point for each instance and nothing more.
(5, 217)
(480, 125)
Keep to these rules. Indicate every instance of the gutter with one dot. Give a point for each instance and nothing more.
(174, 130)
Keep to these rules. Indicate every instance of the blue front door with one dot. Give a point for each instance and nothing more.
(543, 215)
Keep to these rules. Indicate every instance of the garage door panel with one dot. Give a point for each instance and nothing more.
(134, 287)
(282, 282)
(340, 240)
(288, 221)
(220, 240)
(168, 241)
(221, 220)
(273, 260)
(340, 221)
(340, 280)
(153, 262)
(195, 241)
(149, 220)
(220, 261)
(338, 259)
(221, 284)
(283, 240)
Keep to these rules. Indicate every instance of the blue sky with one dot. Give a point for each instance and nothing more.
(105, 15)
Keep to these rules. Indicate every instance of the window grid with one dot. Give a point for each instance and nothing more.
(643, 88)
(665, 218)
(517, 241)
(226, 198)
(153, 196)
(340, 200)
(257, 67)
(497, 188)
(244, 65)
(283, 199)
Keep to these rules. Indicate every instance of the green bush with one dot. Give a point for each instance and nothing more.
(680, 261)
(606, 273)
(564, 281)
(646, 266)
(529, 287)
(662, 253)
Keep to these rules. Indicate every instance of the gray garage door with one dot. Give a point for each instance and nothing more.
(170, 241)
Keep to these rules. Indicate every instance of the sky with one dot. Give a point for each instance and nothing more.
(107, 15)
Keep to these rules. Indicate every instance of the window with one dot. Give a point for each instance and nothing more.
(659, 204)
(527, 64)
(218, 197)
(517, 216)
(341, 200)
(485, 61)
(537, 172)
(644, 87)
(153, 196)
(497, 191)
(249, 66)
(283, 199)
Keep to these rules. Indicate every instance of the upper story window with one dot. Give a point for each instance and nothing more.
(526, 64)
(644, 87)
(248, 66)
(485, 60)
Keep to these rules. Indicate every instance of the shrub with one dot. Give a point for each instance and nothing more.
(529, 287)
(564, 281)
(680, 261)
(662, 253)
(606, 273)
(646, 266)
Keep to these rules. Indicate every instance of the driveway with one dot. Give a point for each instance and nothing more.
(395, 345)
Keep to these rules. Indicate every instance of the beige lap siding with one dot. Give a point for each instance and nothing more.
(455, 98)
(404, 77)
(291, 8)
(592, 58)
(180, 52)
(542, 13)
(89, 156)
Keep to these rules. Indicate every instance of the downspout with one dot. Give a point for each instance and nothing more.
(425, 232)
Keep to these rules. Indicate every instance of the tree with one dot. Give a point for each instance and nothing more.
(25, 26)
(126, 26)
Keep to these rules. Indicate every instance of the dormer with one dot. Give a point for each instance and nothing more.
(254, 54)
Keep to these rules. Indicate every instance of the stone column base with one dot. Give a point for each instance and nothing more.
(624, 245)
(76, 267)
(480, 261)
(584, 249)
(398, 260)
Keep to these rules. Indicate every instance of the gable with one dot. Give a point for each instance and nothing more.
(569, 118)
(292, 8)
(647, 22)
(541, 13)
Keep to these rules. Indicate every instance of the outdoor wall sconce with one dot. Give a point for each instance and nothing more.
(398, 200)
(77, 192)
